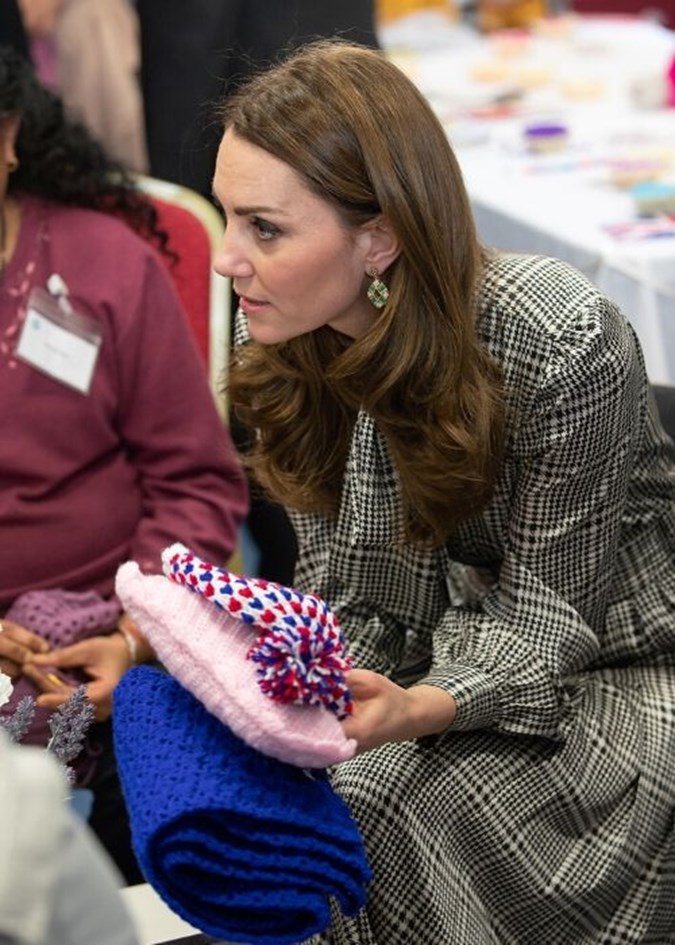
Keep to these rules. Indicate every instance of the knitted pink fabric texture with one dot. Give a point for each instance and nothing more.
(205, 649)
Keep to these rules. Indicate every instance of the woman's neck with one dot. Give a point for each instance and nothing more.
(10, 221)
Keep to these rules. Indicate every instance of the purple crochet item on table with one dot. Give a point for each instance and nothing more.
(241, 845)
(60, 617)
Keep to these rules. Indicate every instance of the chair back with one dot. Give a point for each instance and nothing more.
(195, 231)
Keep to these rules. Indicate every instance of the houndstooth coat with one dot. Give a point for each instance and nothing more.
(545, 814)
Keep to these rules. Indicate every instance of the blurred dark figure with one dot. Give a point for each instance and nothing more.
(12, 32)
(194, 53)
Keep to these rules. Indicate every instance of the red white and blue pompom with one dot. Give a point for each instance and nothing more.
(304, 664)
(300, 651)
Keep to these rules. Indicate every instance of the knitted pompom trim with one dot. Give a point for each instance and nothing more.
(300, 651)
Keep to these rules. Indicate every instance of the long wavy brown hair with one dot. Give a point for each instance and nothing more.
(360, 134)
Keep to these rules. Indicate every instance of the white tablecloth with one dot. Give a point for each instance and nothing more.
(153, 919)
(579, 72)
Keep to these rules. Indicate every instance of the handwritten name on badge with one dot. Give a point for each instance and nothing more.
(59, 342)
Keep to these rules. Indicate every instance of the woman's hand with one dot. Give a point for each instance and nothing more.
(16, 646)
(103, 659)
(385, 712)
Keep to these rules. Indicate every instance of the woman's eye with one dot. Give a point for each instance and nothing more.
(266, 231)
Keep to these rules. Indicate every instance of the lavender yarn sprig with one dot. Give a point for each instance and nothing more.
(19, 722)
(69, 725)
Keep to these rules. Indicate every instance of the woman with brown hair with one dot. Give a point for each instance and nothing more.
(483, 492)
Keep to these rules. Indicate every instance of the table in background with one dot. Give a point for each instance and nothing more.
(581, 72)
(156, 924)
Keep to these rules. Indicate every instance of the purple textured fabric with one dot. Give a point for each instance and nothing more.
(64, 617)
(60, 617)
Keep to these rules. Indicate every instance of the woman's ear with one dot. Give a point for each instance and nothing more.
(382, 244)
(9, 129)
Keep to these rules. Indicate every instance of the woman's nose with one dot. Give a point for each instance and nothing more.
(231, 260)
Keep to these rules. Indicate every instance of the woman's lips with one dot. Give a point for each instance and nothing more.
(251, 305)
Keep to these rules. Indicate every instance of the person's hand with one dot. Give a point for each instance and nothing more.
(139, 648)
(16, 646)
(39, 16)
(385, 712)
(104, 660)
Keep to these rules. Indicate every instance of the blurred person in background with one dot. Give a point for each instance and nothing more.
(193, 54)
(89, 53)
(114, 445)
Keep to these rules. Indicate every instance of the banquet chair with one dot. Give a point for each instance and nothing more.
(195, 230)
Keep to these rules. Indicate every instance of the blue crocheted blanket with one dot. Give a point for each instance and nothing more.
(242, 846)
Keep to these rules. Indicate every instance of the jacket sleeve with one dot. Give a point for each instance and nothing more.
(508, 649)
(508, 656)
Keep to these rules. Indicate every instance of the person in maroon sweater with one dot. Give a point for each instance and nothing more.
(112, 444)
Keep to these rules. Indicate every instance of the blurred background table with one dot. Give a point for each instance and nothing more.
(603, 79)
(155, 923)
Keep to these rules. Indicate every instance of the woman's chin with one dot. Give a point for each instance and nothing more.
(265, 334)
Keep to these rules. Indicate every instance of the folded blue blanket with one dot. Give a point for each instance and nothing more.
(242, 846)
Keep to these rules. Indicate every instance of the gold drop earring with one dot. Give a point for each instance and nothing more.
(378, 293)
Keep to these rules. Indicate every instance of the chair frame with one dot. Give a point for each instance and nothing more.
(220, 296)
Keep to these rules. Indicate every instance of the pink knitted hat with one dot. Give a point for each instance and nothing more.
(261, 646)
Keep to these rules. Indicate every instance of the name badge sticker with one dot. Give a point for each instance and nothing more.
(58, 341)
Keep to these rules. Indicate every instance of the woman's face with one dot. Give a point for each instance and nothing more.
(294, 263)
